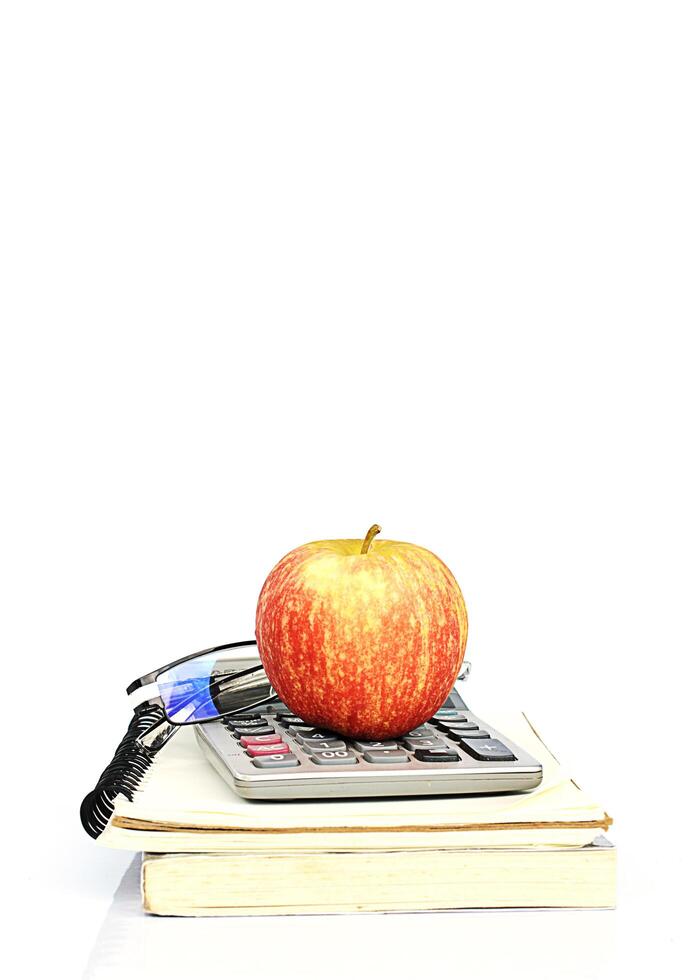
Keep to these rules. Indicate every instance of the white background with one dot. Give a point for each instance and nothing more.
(272, 272)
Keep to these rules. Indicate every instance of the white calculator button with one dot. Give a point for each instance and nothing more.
(333, 757)
(429, 742)
(364, 746)
(275, 762)
(386, 757)
(330, 743)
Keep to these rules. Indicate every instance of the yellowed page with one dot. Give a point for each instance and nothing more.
(219, 884)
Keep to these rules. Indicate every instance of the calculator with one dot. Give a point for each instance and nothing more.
(271, 754)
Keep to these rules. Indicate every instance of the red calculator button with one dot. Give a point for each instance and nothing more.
(247, 740)
(277, 749)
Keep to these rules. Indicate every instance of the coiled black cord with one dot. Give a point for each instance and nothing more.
(123, 775)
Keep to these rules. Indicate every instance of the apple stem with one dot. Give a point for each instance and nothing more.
(369, 538)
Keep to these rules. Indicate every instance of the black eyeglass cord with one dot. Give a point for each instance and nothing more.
(124, 774)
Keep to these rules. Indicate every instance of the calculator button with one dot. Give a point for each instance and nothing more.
(290, 720)
(271, 739)
(488, 750)
(322, 744)
(479, 733)
(308, 738)
(421, 732)
(333, 757)
(436, 755)
(278, 761)
(449, 725)
(279, 748)
(429, 742)
(245, 722)
(315, 735)
(385, 757)
(456, 733)
(448, 713)
(364, 746)
(253, 730)
(300, 729)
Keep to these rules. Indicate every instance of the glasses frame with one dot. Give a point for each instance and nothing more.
(227, 676)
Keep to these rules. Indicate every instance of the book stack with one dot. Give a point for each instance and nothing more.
(208, 852)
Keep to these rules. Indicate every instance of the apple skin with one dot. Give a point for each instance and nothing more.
(365, 644)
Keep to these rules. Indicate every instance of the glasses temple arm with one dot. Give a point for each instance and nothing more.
(156, 736)
(224, 681)
(154, 674)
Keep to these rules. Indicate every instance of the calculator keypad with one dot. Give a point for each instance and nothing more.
(270, 753)
(278, 739)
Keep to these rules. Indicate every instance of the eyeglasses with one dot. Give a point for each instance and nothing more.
(194, 690)
(205, 686)
(202, 687)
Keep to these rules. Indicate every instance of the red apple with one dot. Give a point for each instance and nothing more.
(362, 637)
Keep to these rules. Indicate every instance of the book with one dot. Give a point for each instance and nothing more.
(183, 805)
(306, 881)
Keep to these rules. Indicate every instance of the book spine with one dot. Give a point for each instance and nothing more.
(124, 774)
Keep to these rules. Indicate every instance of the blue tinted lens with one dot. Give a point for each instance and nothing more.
(208, 686)
(185, 690)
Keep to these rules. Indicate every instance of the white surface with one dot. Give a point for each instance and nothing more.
(273, 272)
